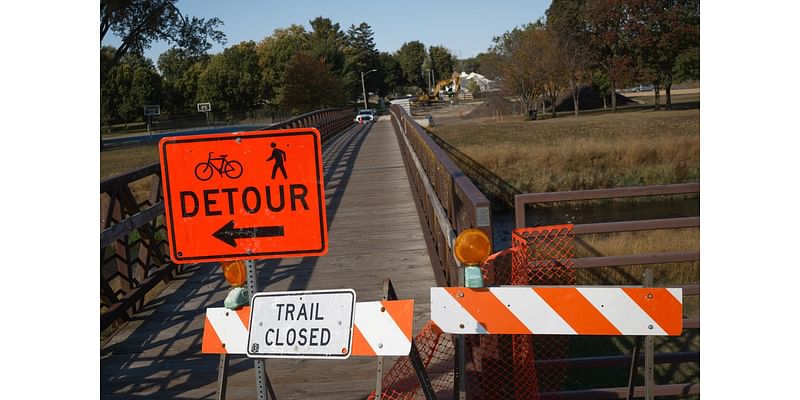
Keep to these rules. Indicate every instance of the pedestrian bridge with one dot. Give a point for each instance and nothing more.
(394, 201)
(375, 232)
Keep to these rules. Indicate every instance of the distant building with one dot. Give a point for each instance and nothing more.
(485, 84)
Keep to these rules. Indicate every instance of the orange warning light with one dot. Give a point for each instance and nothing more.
(472, 246)
(234, 272)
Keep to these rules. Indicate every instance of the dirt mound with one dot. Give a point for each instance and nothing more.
(493, 103)
(590, 99)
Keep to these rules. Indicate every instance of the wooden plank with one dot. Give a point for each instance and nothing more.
(375, 234)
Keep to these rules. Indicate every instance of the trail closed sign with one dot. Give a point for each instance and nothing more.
(307, 324)
(244, 195)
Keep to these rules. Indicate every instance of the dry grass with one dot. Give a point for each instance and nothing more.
(612, 244)
(124, 159)
(589, 152)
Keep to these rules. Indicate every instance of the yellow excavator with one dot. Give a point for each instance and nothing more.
(433, 96)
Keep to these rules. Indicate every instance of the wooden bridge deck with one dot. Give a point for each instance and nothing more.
(374, 234)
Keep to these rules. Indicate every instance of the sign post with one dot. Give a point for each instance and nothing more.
(248, 196)
(206, 108)
(262, 379)
(244, 196)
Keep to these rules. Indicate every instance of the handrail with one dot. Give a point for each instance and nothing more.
(521, 200)
(598, 260)
(448, 199)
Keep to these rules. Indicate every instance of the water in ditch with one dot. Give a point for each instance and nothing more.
(587, 212)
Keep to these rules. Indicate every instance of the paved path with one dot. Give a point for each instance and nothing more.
(374, 234)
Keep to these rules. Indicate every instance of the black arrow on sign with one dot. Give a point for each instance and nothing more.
(229, 234)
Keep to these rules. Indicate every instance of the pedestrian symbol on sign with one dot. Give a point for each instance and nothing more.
(280, 157)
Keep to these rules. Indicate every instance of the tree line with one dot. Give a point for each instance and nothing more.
(294, 69)
(606, 43)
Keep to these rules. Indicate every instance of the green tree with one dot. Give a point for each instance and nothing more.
(274, 54)
(180, 71)
(442, 62)
(232, 80)
(391, 74)
(411, 57)
(362, 57)
(663, 30)
(138, 23)
(473, 86)
(566, 19)
(134, 84)
(302, 94)
(687, 65)
(327, 42)
(610, 41)
(602, 83)
(520, 54)
(556, 78)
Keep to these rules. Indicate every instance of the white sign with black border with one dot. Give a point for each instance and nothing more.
(304, 324)
(203, 107)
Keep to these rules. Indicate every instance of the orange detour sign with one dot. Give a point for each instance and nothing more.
(245, 195)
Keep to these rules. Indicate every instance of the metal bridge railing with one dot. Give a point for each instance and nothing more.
(133, 239)
(597, 267)
(447, 198)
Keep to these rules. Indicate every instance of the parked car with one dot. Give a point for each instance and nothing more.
(365, 116)
(643, 88)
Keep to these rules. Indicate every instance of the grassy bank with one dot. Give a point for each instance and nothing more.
(588, 152)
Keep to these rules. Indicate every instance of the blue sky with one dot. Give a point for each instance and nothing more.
(466, 28)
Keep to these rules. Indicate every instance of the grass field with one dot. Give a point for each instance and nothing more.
(589, 152)
(124, 159)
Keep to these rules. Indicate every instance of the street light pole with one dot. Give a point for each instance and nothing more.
(363, 88)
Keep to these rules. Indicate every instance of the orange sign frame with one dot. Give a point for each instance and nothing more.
(244, 195)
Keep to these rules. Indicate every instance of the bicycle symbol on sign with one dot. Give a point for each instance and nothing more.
(205, 170)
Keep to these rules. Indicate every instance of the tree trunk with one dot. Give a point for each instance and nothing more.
(668, 87)
(657, 91)
(613, 96)
(575, 95)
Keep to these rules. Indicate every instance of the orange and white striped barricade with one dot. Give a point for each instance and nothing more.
(549, 310)
(380, 328)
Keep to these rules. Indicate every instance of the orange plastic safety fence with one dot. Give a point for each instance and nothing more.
(545, 258)
(498, 366)
(436, 349)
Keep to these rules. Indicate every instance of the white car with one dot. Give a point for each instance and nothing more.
(364, 116)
